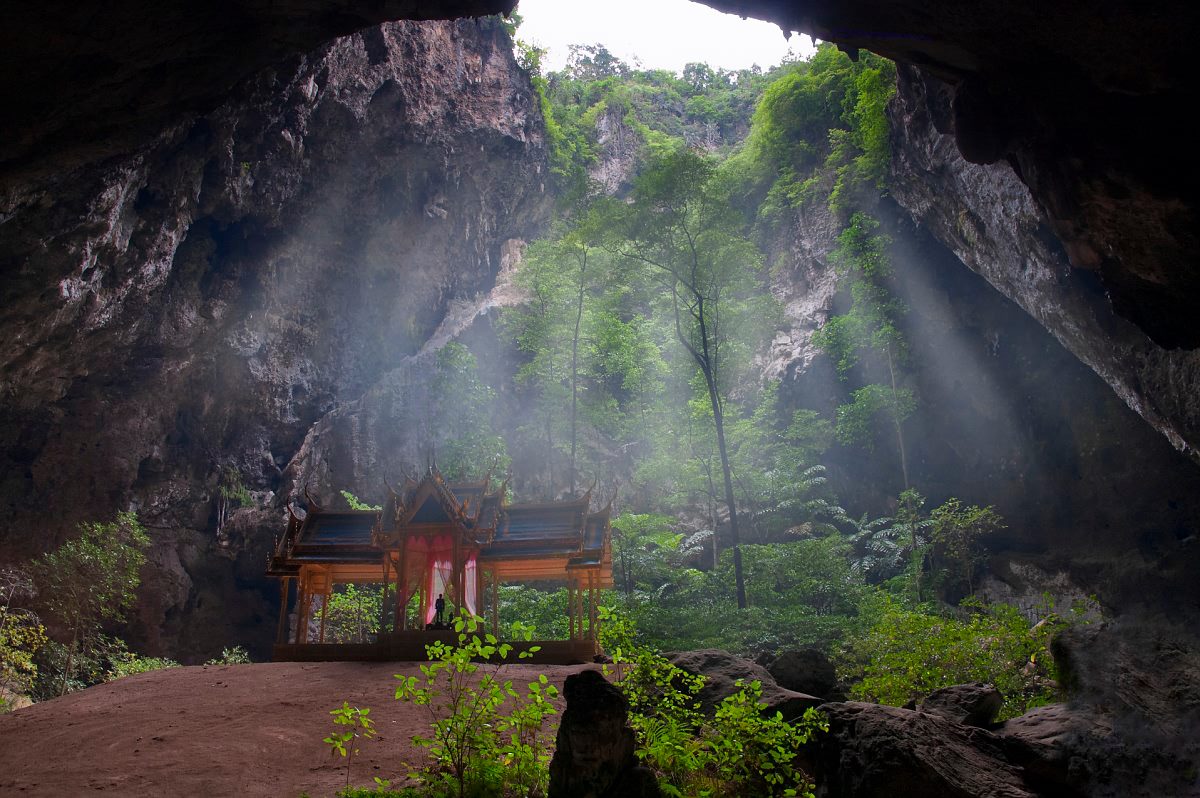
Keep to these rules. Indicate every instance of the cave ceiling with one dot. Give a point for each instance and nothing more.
(1083, 99)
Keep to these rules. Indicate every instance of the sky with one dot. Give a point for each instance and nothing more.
(661, 34)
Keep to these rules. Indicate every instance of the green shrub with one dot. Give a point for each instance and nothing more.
(123, 663)
(21, 636)
(905, 654)
(756, 755)
(487, 737)
(379, 791)
(231, 656)
(738, 752)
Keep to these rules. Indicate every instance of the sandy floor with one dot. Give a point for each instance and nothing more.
(244, 730)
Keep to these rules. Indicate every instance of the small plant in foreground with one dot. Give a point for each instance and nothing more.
(739, 752)
(476, 746)
(756, 754)
(231, 656)
(382, 789)
(357, 725)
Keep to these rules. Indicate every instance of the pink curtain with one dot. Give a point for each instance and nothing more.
(439, 573)
(471, 576)
(439, 563)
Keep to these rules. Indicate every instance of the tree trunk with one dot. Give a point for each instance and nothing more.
(575, 364)
(719, 422)
(70, 661)
(897, 420)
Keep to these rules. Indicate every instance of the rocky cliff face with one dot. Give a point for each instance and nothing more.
(197, 304)
(1081, 101)
(1096, 501)
(988, 218)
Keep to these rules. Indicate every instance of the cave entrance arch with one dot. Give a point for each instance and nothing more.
(461, 540)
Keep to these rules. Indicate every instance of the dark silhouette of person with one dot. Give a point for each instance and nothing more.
(439, 608)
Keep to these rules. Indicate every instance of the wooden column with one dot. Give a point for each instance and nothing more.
(495, 604)
(281, 631)
(387, 573)
(480, 595)
(572, 600)
(400, 621)
(423, 604)
(456, 573)
(303, 603)
(592, 580)
(324, 610)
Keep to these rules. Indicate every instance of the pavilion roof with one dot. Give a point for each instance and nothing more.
(564, 531)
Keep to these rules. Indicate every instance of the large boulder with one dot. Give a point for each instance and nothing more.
(974, 704)
(806, 670)
(873, 750)
(1077, 748)
(594, 753)
(721, 671)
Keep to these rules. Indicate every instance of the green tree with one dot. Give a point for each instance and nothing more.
(90, 580)
(460, 417)
(681, 227)
(21, 635)
(557, 275)
(231, 494)
(354, 613)
(866, 340)
(958, 533)
(642, 543)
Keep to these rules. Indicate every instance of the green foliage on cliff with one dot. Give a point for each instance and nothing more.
(867, 346)
(820, 132)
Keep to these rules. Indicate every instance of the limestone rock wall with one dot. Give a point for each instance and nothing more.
(198, 303)
(988, 218)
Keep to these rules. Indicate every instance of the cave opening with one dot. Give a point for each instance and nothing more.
(893, 335)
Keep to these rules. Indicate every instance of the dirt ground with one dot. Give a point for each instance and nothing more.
(226, 730)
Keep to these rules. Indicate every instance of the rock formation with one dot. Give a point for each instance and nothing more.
(988, 218)
(975, 704)
(194, 305)
(80, 85)
(1081, 102)
(722, 670)
(806, 671)
(593, 753)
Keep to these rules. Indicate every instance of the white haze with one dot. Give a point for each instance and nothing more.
(657, 34)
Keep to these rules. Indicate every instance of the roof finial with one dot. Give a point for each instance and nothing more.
(612, 500)
(587, 497)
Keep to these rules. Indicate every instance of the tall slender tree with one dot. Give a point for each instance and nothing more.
(681, 228)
